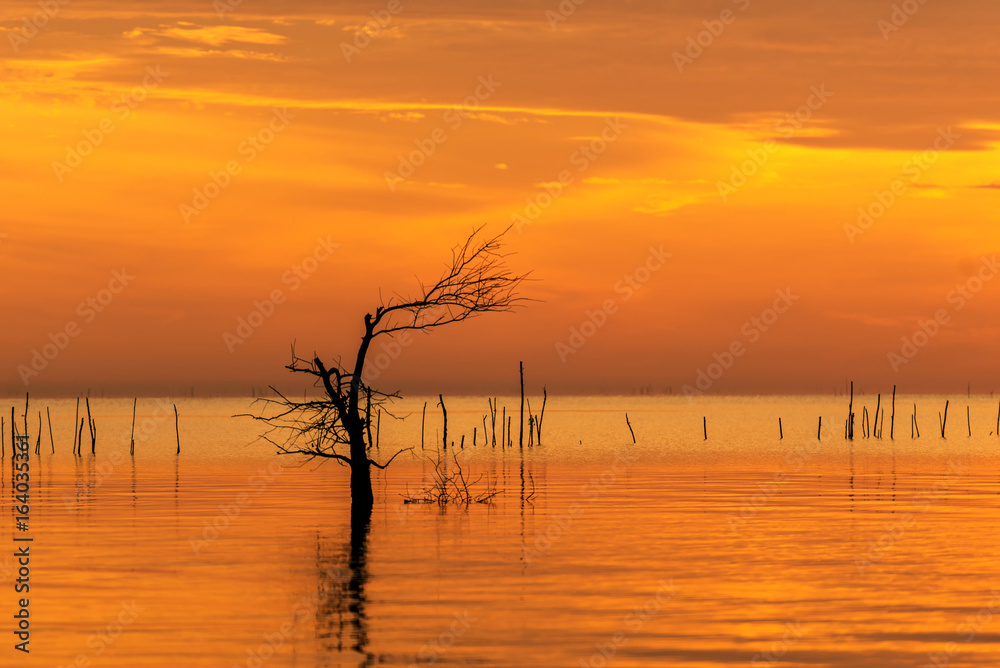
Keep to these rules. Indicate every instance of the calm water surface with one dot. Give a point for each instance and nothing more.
(742, 549)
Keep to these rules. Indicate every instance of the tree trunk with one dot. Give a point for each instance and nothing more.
(361, 480)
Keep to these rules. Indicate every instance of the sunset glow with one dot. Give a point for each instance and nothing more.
(190, 187)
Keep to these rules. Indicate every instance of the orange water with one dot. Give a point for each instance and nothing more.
(743, 549)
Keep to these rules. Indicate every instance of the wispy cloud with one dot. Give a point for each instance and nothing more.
(210, 35)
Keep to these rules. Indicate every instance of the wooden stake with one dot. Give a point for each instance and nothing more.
(52, 440)
(968, 418)
(503, 425)
(131, 447)
(781, 433)
(944, 422)
(916, 425)
(177, 427)
(474, 430)
(368, 417)
(892, 420)
(378, 427)
(819, 429)
(423, 417)
(630, 427)
(93, 429)
(545, 397)
(79, 448)
(520, 437)
(850, 415)
(878, 407)
(75, 420)
(704, 426)
(444, 437)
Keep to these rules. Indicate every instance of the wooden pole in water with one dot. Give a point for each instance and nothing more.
(378, 427)
(503, 425)
(892, 420)
(630, 427)
(423, 416)
(177, 428)
(520, 437)
(79, 448)
(462, 444)
(444, 411)
(944, 422)
(819, 429)
(998, 420)
(510, 434)
(131, 447)
(368, 417)
(968, 418)
(541, 416)
(93, 429)
(704, 426)
(484, 431)
(75, 420)
(474, 430)
(3, 447)
(878, 407)
(781, 433)
(916, 425)
(850, 415)
(38, 439)
(52, 440)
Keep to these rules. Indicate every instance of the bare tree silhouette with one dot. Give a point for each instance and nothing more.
(476, 281)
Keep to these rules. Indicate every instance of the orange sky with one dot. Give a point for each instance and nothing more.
(310, 111)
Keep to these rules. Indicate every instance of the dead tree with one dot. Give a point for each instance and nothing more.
(476, 281)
